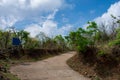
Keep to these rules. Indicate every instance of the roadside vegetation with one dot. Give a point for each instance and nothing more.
(98, 50)
(29, 49)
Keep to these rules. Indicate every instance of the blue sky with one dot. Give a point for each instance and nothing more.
(83, 11)
(54, 17)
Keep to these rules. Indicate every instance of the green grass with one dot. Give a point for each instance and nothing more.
(10, 76)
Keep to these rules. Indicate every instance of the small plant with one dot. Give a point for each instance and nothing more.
(101, 53)
(96, 78)
(114, 43)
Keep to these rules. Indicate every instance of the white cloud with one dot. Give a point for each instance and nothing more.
(32, 4)
(12, 11)
(46, 4)
(49, 27)
(7, 21)
(52, 16)
(106, 17)
(64, 30)
(33, 29)
(26, 9)
(50, 30)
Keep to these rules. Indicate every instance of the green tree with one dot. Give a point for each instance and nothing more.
(83, 38)
(78, 39)
(93, 31)
(60, 42)
(4, 39)
(24, 36)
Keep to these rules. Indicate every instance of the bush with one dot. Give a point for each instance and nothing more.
(89, 56)
(115, 43)
(100, 53)
(116, 53)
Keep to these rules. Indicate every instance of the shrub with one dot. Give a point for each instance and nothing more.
(101, 53)
(114, 43)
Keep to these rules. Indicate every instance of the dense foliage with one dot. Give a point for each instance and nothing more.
(82, 38)
(98, 47)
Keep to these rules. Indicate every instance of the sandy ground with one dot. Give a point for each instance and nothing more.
(54, 68)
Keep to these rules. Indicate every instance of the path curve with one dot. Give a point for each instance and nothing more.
(54, 68)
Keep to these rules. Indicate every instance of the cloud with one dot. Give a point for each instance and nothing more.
(7, 22)
(32, 4)
(64, 30)
(40, 13)
(49, 27)
(52, 16)
(26, 10)
(106, 18)
(33, 29)
(46, 4)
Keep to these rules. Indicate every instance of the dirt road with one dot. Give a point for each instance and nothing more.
(54, 68)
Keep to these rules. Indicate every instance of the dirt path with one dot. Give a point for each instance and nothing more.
(54, 68)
